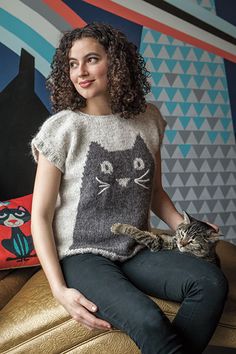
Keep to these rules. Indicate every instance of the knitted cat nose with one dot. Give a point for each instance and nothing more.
(123, 181)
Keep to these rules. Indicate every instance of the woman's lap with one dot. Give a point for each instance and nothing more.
(121, 303)
(119, 290)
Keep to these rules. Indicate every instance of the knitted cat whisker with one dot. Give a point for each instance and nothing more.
(139, 180)
(103, 185)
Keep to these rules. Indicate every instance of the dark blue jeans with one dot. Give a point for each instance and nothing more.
(119, 290)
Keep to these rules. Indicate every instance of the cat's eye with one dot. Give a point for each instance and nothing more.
(106, 167)
(19, 213)
(3, 215)
(139, 164)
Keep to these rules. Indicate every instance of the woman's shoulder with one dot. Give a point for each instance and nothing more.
(153, 112)
(153, 109)
(60, 118)
(63, 121)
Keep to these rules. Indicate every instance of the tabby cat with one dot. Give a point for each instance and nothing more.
(193, 236)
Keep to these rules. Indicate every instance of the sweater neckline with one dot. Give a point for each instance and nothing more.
(97, 116)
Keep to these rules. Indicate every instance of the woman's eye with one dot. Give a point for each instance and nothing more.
(92, 60)
(139, 164)
(72, 65)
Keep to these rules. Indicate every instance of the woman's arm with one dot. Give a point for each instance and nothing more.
(162, 205)
(46, 189)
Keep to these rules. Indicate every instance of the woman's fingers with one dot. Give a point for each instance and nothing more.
(90, 320)
(86, 303)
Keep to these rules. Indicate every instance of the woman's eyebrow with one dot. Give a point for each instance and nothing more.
(85, 56)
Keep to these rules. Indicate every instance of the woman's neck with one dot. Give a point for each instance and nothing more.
(100, 108)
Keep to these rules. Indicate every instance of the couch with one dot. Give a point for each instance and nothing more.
(31, 320)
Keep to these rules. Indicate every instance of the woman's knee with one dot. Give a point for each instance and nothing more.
(212, 284)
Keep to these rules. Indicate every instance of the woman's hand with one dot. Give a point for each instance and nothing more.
(79, 308)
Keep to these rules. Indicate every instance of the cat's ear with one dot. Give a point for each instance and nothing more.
(187, 218)
(21, 208)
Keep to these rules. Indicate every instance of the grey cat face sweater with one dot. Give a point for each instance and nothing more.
(107, 165)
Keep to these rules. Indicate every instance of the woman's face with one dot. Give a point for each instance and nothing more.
(88, 69)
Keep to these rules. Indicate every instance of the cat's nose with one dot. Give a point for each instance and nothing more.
(13, 221)
(123, 181)
(183, 242)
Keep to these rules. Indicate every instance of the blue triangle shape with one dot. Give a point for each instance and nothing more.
(212, 80)
(225, 108)
(199, 80)
(171, 106)
(212, 94)
(212, 136)
(212, 108)
(170, 135)
(198, 52)
(184, 121)
(184, 149)
(225, 136)
(185, 107)
(225, 122)
(185, 79)
(198, 121)
(170, 50)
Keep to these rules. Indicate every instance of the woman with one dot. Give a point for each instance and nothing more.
(100, 153)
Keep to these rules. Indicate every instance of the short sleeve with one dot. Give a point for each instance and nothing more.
(52, 141)
(159, 120)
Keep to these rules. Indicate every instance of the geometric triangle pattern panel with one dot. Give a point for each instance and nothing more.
(198, 153)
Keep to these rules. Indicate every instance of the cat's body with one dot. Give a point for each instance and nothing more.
(193, 236)
(113, 181)
(19, 244)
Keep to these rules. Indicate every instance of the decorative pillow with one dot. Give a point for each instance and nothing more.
(16, 243)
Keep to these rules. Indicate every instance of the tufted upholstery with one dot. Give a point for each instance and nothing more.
(31, 321)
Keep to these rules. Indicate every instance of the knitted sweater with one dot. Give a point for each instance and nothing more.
(107, 164)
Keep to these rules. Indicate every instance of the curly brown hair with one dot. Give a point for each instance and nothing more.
(127, 75)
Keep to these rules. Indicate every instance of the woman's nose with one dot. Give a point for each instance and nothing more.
(82, 70)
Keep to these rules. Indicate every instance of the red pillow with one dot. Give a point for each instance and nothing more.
(16, 243)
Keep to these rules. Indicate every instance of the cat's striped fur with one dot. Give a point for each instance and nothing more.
(192, 236)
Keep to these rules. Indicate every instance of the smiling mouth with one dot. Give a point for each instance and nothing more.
(86, 83)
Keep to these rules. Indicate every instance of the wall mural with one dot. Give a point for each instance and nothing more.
(185, 45)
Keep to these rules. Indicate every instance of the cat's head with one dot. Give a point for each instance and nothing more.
(195, 236)
(14, 217)
(121, 169)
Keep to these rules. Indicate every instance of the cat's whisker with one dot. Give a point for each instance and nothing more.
(143, 175)
(103, 183)
(141, 185)
(103, 189)
(139, 180)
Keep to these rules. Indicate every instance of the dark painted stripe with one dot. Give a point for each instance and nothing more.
(51, 16)
(132, 15)
(191, 19)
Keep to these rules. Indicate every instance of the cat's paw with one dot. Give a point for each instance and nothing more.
(115, 228)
